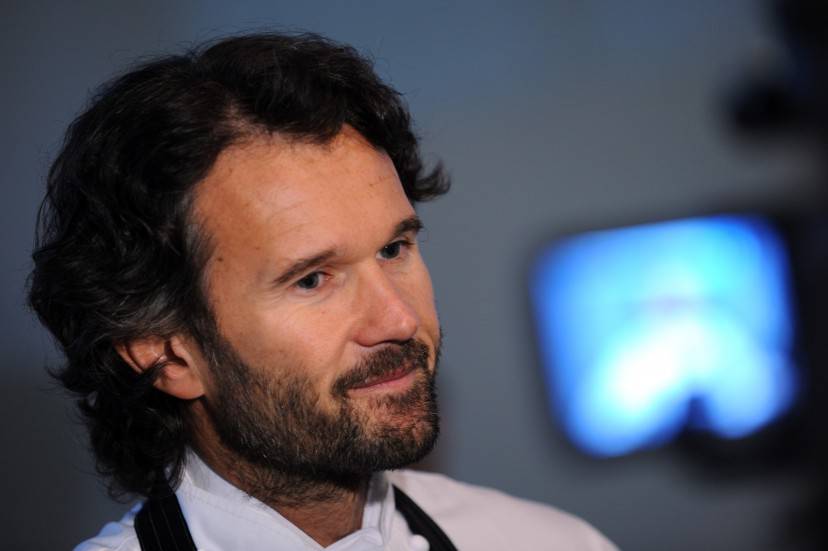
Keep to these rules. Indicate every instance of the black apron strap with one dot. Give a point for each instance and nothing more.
(420, 523)
(160, 524)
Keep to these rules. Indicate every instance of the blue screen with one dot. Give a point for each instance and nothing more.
(649, 329)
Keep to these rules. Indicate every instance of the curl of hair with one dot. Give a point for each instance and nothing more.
(118, 256)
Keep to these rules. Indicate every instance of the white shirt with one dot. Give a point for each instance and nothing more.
(223, 518)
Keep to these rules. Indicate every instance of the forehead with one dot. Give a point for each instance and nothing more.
(289, 198)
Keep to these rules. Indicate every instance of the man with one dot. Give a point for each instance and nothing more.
(228, 255)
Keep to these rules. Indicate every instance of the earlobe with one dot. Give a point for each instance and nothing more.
(180, 365)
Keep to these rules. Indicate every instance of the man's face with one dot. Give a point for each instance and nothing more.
(327, 336)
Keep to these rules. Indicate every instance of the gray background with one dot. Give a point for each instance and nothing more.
(551, 116)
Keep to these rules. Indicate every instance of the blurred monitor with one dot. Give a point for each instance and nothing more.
(647, 330)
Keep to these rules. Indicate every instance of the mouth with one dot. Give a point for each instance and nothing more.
(396, 378)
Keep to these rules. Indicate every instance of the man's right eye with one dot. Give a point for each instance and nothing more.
(310, 281)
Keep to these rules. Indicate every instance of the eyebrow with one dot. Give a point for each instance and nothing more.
(411, 224)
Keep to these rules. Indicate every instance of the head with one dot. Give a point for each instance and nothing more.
(227, 256)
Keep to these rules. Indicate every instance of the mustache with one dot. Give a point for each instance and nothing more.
(412, 354)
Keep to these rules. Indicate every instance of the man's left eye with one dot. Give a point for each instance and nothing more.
(392, 250)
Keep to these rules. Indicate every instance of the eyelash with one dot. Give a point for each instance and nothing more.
(402, 243)
(299, 285)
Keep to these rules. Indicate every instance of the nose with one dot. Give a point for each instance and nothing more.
(384, 313)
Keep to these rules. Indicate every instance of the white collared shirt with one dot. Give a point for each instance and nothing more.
(223, 518)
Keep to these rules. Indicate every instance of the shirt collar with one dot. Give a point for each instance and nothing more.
(221, 516)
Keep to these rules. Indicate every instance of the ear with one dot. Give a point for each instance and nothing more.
(181, 363)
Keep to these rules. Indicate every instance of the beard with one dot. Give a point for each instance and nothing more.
(293, 450)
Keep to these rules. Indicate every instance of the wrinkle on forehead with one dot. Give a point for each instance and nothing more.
(276, 152)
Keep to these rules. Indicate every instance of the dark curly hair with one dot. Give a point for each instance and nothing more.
(118, 256)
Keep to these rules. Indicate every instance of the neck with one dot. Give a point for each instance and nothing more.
(328, 521)
(326, 509)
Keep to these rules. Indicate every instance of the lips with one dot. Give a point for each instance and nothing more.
(390, 368)
(393, 375)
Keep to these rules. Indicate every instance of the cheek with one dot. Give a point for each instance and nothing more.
(422, 295)
(308, 342)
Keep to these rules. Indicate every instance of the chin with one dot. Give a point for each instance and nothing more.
(404, 436)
